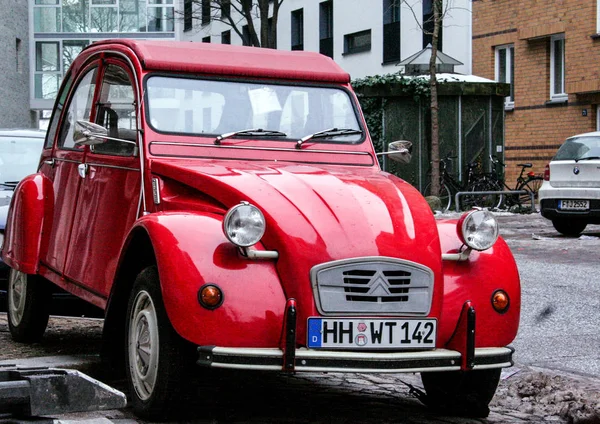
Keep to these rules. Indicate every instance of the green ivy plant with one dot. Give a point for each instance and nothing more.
(372, 107)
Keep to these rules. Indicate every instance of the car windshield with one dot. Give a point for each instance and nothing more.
(578, 148)
(19, 157)
(213, 108)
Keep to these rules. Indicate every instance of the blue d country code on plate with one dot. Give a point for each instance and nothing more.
(353, 333)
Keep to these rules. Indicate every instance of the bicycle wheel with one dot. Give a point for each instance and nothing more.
(445, 196)
(489, 201)
(531, 185)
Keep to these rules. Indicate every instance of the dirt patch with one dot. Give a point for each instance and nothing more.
(64, 336)
(571, 398)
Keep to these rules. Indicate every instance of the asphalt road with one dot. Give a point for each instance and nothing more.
(560, 295)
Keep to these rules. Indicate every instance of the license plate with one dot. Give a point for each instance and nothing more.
(574, 205)
(354, 333)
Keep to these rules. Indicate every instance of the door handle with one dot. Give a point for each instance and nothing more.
(82, 168)
(50, 162)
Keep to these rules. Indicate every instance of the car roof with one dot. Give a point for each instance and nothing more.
(588, 134)
(230, 60)
(22, 132)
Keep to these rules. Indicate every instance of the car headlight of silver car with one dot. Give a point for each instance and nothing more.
(244, 225)
(478, 229)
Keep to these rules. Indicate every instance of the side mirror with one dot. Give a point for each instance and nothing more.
(89, 134)
(399, 151)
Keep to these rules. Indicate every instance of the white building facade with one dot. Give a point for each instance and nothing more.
(60, 29)
(365, 37)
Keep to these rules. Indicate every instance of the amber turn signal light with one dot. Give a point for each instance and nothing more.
(210, 296)
(500, 301)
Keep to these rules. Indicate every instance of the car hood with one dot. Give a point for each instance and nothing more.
(317, 214)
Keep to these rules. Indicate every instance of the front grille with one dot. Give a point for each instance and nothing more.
(372, 285)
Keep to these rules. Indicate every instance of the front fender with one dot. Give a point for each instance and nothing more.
(476, 279)
(33, 198)
(191, 250)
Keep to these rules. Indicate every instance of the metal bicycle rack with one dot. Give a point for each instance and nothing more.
(483, 193)
(34, 392)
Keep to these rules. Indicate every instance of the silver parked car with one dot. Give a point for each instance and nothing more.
(570, 194)
(19, 156)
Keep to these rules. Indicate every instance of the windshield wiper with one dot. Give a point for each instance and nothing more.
(587, 158)
(331, 132)
(251, 132)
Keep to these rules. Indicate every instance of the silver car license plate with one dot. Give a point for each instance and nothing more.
(574, 205)
(357, 333)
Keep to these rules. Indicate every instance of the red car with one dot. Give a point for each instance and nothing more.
(225, 207)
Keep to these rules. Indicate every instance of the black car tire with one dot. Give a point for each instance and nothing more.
(28, 306)
(569, 227)
(158, 361)
(461, 393)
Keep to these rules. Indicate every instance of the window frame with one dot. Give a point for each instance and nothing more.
(509, 101)
(206, 15)
(297, 29)
(188, 15)
(553, 94)
(349, 41)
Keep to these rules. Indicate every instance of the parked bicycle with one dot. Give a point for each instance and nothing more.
(473, 181)
(529, 182)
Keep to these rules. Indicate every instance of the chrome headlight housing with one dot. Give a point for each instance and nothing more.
(478, 229)
(244, 225)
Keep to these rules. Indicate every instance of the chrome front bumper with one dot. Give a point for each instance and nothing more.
(308, 360)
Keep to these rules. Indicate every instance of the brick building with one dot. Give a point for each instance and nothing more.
(550, 52)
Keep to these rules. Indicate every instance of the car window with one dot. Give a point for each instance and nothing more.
(58, 107)
(116, 111)
(19, 157)
(579, 148)
(191, 106)
(80, 108)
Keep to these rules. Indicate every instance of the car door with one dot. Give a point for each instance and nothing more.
(109, 194)
(62, 168)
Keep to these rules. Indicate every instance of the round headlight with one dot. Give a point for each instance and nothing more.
(478, 229)
(244, 225)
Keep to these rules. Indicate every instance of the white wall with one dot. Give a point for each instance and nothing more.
(350, 16)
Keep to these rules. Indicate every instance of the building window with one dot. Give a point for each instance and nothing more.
(598, 16)
(557, 67)
(205, 12)
(132, 16)
(226, 37)
(246, 36)
(357, 42)
(391, 31)
(225, 9)
(104, 16)
(298, 29)
(326, 28)
(187, 15)
(428, 25)
(161, 16)
(46, 19)
(18, 65)
(206, 39)
(505, 71)
(47, 69)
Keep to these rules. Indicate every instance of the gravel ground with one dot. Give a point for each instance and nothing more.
(524, 393)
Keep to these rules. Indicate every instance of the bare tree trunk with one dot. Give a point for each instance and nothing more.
(263, 10)
(435, 129)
